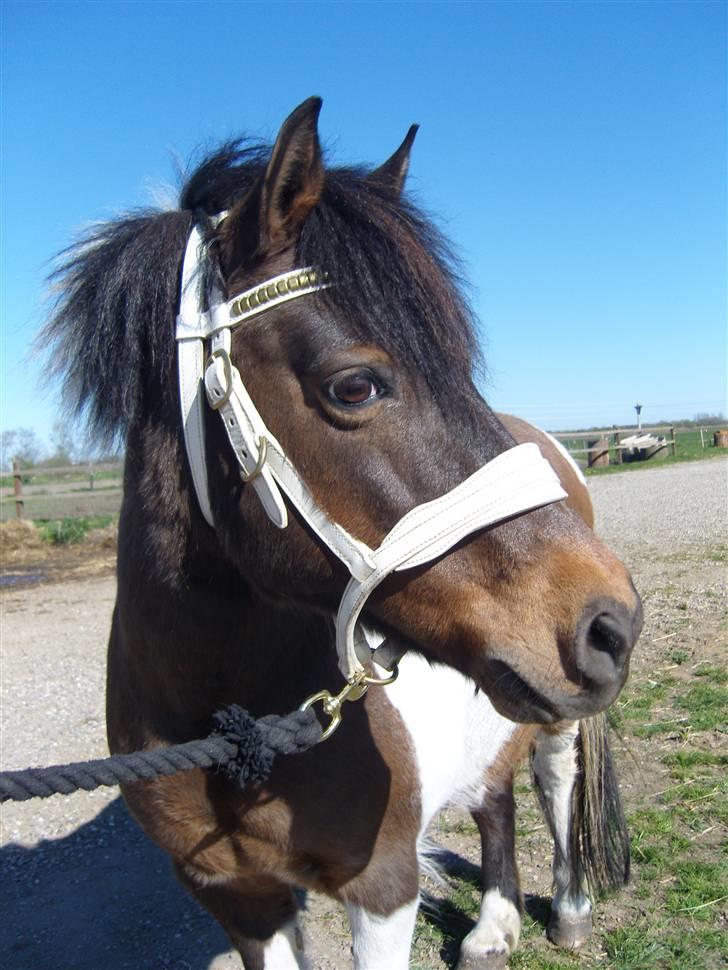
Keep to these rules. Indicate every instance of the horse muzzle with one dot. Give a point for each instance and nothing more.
(595, 666)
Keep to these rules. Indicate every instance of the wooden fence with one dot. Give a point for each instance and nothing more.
(87, 472)
(602, 442)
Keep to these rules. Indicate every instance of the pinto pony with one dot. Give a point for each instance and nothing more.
(338, 423)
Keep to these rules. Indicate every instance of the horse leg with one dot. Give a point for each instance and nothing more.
(260, 915)
(495, 936)
(555, 767)
(380, 941)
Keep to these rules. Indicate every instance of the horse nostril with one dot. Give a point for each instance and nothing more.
(604, 639)
(607, 635)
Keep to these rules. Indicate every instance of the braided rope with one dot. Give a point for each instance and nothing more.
(241, 747)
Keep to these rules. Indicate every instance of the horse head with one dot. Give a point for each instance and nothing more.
(368, 385)
(366, 382)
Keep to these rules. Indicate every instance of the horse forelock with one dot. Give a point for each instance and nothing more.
(396, 280)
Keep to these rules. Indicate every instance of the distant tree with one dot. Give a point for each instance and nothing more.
(707, 418)
(65, 448)
(8, 440)
(21, 444)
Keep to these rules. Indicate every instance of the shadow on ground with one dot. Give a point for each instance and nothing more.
(104, 898)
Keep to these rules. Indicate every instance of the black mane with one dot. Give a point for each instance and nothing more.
(111, 336)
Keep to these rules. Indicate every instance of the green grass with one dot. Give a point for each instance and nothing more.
(654, 946)
(715, 673)
(680, 869)
(70, 530)
(698, 889)
(707, 706)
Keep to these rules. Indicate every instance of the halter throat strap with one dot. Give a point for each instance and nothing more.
(514, 482)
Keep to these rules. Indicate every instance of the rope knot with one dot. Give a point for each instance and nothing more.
(254, 758)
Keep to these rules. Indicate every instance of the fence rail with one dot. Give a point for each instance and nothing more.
(604, 441)
(606, 444)
(88, 472)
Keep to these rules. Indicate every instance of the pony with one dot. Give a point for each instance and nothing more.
(338, 431)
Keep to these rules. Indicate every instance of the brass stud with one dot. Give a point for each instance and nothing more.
(282, 287)
(271, 291)
(303, 279)
(253, 300)
(293, 284)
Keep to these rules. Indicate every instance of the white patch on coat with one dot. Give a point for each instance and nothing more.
(382, 942)
(284, 950)
(456, 732)
(497, 931)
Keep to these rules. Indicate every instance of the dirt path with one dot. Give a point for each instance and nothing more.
(83, 888)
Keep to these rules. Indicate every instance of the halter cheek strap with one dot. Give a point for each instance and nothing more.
(517, 481)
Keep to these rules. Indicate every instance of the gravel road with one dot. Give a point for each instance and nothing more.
(81, 886)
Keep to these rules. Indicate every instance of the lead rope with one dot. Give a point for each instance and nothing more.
(240, 748)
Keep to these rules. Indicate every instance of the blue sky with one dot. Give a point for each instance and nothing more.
(573, 152)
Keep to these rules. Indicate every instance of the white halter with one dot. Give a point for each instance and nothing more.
(516, 481)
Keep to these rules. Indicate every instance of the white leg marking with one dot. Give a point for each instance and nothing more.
(382, 942)
(497, 930)
(555, 766)
(284, 950)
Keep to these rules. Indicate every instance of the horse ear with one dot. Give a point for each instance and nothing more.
(294, 178)
(269, 217)
(393, 172)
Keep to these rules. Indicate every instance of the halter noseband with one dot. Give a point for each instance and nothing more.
(514, 482)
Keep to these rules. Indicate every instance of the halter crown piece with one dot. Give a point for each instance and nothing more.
(514, 482)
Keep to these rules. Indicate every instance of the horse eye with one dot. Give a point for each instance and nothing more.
(352, 390)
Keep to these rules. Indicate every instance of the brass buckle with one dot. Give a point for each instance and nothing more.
(332, 703)
(227, 365)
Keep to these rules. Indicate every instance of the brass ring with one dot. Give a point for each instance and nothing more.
(262, 455)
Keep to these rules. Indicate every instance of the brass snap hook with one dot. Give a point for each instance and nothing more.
(332, 703)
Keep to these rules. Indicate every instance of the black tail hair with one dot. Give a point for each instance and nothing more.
(600, 844)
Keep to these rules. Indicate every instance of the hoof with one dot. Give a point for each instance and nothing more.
(483, 961)
(569, 934)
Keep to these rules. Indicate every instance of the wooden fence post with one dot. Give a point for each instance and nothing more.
(617, 441)
(18, 488)
(674, 440)
(598, 453)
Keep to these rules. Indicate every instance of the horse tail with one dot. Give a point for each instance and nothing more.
(599, 838)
